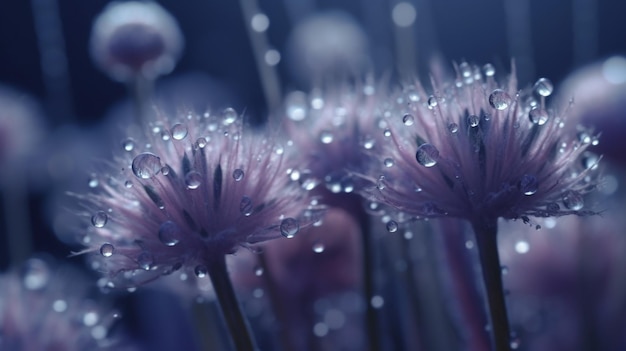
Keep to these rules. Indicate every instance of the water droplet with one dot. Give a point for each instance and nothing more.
(489, 70)
(473, 120)
(99, 219)
(296, 106)
(392, 226)
(326, 137)
(388, 162)
(427, 155)
(238, 174)
(35, 274)
(229, 116)
(106, 250)
(528, 184)
(128, 144)
(165, 135)
(543, 87)
(453, 128)
(499, 99)
(128, 184)
(169, 233)
(573, 200)
(179, 131)
(245, 206)
(318, 247)
(387, 133)
(380, 184)
(165, 170)
(538, 116)
(201, 142)
(193, 180)
(258, 271)
(201, 271)
(289, 227)
(145, 260)
(369, 143)
(408, 119)
(146, 165)
(432, 102)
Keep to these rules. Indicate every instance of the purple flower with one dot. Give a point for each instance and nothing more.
(191, 191)
(478, 149)
(48, 308)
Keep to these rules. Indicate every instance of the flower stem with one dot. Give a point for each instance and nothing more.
(235, 321)
(486, 238)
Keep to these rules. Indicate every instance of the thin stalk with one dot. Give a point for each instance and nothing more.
(369, 286)
(486, 232)
(141, 92)
(235, 321)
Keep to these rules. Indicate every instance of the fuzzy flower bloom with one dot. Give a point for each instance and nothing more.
(45, 308)
(190, 191)
(135, 38)
(477, 149)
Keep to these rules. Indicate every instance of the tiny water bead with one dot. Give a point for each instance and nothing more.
(326, 137)
(238, 174)
(318, 247)
(489, 70)
(193, 180)
(128, 145)
(245, 206)
(499, 99)
(201, 142)
(258, 271)
(538, 116)
(427, 155)
(93, 182)
(392, 226)
(453, 128)
(106, 250)
(146, 165)
(179, 131)
(528, 184)
(99, 219)
(169, 233)
(473, 120)
(289, 227)
(201, 271)
(432, 102)
(388, 162)
(145, 261)
(229, 116)
(573, 200)
(408, 119)
(543, 87)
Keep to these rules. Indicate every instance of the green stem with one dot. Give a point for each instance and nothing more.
(486, 232)
(235, 321)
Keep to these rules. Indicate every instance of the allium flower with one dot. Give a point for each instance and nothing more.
(479, 151)
(189, 192)
(48, 308)
(135, 38)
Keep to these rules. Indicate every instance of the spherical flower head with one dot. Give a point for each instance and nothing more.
(189, 192)
(479, 150)
(135, 38)
(47, 308)
(332, 128)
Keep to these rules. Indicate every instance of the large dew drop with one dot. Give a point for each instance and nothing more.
(106, 250)
(289, 227)
(392, 226)
(229, 116)
(193, 180)
(99, 219)
(543, 87)
(427, 155)
(146, 165)
(169, 233)
(499, 99)
(179, 131)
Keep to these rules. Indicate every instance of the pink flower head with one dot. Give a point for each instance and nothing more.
(190, 191)
(477, 149)
(48, 308)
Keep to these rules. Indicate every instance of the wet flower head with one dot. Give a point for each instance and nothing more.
(476, 148)
(189, 192)
(133, 37)
(39, 310)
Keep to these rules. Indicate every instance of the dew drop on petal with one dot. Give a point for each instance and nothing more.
(289, 227)
(193, 180)
(528, 184)
(387, 132)
(201, 142)
(245, 206)
(543, 87)
(432, 102)
(388, 162)
(427, 155)
(392, 226)
(573, 200)
(326, 137)
(499, 99)
(538, 116)
(128, 144)
(408, 119)
(201, 271)
(145, 260)
(229, 116)
(93, 182)
(106, 250)
(318, 247)
(179, 131)
(489, 70)
(169, 233)
(453, 128)
(146, 165)
(473, 120)
(99, 219)
(238, 174)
